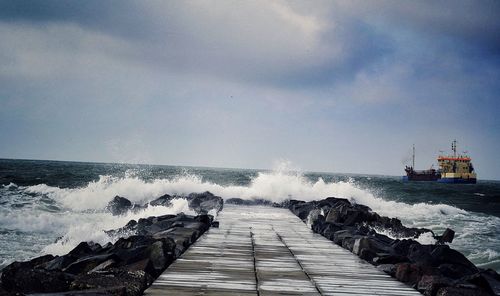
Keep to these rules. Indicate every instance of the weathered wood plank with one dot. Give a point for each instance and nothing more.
(269, 251)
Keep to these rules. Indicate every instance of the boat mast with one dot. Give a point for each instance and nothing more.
(454, 148)
(413, 157)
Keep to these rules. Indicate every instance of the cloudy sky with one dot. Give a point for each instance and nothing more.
(337, 86)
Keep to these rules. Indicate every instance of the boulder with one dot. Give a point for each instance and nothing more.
(119, 205)
(409, 273)
(23, 278)
(132, 282)
(487, 280)
(430, 284)
(447, 236)
(202, 203)
(444, 254)
(164, 200)
(461, 291)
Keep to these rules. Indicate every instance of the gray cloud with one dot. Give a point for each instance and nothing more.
(264, 79)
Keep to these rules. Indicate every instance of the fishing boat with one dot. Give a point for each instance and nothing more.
(453, 168)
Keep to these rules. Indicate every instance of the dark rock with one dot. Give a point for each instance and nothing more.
(88, 263)
(409, 273)
(454, 271)
(84, 249)
(215, 224)
(372, 245)
(20, 277)
(164, 200)
(383, 259)
(340, 235)
(447, 236)
(488, 280)
(301, 209)
(418, 253)
(430, 284)
(461, 291)
(443, 254)
(390, 269)
(202, 203)
(329, 230)
(133, 282)
(401, 246)
(119, 205)
(333, 216)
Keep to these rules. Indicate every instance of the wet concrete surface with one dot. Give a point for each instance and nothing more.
(269, 251)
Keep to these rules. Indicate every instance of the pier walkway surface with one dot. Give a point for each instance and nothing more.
(269, 251)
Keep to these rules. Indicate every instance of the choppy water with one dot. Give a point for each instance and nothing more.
(45, 201)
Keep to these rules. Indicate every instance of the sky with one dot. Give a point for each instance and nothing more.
(331, 86)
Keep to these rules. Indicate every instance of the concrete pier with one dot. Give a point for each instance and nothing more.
(269, 251)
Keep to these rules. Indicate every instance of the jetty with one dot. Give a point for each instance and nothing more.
(265, 251)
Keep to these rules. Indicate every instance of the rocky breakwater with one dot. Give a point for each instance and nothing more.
(432, 269)
(127, 267)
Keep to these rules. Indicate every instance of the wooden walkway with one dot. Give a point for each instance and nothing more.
(269, 251)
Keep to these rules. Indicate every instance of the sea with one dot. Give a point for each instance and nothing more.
(48, 207)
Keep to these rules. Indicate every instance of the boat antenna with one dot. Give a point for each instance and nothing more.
(454, 148)
(413, 157)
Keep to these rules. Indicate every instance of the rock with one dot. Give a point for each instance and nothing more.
(20, 277)
(104, 265)
(409, 273)
(164, 200)
(59, 262)
(301, 209)
(488, 280)
(447, 236)
(430, 284)
(401, 247)
(418, 253)
(333, 216)
(390, 269)
(454, 271)
(443, 254)
(383, 259)
(202, 203)
(119, 205)
(461, 291)
(372, 245)
(133, 282)
(84, 249)
(329, 230)
(88, 263)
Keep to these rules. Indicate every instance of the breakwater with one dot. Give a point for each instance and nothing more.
(433, 269)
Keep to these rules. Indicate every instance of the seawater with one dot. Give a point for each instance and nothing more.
(50, 206)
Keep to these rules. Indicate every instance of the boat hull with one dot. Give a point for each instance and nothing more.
(458, 180)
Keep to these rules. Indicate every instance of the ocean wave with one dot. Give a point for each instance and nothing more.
(276, 186)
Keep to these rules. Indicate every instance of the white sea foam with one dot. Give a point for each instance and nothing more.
(276, 186)
(91, 226)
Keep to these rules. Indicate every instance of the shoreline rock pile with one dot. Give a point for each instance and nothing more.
(145, 249)
(431, 269)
